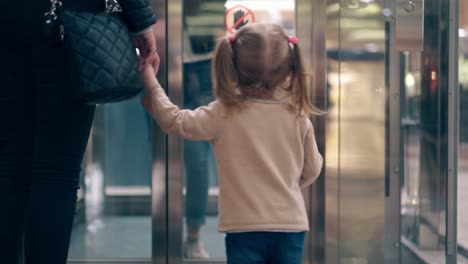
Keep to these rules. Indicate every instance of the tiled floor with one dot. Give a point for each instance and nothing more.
(112, 237)
(427, 256)
(129, 237)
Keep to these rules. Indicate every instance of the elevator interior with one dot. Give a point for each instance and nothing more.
(387, 188)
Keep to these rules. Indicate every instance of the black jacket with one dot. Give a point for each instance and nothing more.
(138, 12)
(20, 23)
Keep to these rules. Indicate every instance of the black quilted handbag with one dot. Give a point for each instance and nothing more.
(100, 54)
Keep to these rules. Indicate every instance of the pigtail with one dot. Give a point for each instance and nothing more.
(224, 74)
(299, 87)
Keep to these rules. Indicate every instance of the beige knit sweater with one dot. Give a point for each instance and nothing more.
(264, 156)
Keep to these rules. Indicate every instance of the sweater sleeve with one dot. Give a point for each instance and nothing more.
(202, 123)
(313, 160)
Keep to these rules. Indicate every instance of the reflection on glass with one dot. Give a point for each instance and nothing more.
(361, 56)
(356, 131)
(203, 23)
(115, 219)
(410, 125)
(423, 125)
(281, 12)
(462, 230)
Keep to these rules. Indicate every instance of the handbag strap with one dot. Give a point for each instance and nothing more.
(52, 16)
(112, 6)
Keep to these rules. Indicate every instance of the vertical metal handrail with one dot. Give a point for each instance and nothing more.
(311, 21)
(453, 131)
(175, 146)
(159, 196)
(393, 157)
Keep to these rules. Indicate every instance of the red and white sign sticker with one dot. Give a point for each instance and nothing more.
(237, 17)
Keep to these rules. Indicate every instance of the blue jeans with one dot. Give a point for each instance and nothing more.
(197, 154)
(264, 247)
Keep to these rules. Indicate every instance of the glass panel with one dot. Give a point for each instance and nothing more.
(463, 145)
(424, 117)
(362, 132)
(360, 69)
(332, 147)
(203, 23)
(114, 221)
(411, 137)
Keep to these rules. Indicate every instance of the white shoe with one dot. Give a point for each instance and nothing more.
(195, 250)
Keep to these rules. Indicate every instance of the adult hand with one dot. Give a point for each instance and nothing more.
(146, 44)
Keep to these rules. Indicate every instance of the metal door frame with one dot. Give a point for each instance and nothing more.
(160, 164)
(174, 186)
(311, 32)
(453, 133)
(394, 143)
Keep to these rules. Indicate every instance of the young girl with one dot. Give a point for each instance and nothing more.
(262, 138)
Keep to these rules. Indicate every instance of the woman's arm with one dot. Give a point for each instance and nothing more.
(202, 123)
(140, 18)
(139, 14)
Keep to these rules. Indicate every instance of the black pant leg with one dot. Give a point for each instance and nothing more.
(16, 97)
(61, 129)
(43, 135)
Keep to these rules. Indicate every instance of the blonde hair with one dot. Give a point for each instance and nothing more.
(256, 59)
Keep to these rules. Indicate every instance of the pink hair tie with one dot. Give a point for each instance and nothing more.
(232, 39)
(292, 40)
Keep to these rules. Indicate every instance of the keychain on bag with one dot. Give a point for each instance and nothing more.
(52, 28)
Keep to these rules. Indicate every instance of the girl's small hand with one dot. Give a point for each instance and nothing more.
(149, 78)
